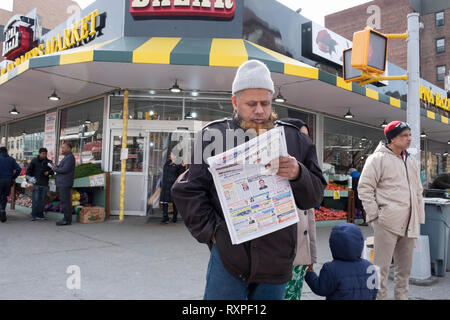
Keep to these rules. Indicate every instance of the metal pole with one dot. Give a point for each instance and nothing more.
(413, 105)
(123, 161)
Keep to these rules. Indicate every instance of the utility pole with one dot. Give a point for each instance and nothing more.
(413, 105)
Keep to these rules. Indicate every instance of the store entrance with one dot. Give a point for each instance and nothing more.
(148, 150)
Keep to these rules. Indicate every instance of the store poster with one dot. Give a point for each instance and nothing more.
(50, 135)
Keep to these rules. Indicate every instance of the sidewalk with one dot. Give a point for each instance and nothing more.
(132, 259)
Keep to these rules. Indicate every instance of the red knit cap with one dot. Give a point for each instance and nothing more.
(394, 128)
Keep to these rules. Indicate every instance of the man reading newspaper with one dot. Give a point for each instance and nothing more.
(259, 268)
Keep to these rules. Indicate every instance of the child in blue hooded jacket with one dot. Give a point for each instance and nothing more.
(347, 277)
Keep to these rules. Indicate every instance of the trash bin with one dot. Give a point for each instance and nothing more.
(437, 228)
(421, 259)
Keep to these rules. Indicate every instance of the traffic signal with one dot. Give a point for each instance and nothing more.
(369, 51)
(350, 73)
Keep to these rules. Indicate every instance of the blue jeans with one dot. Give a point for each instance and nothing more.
(220, 285)
(38, 197)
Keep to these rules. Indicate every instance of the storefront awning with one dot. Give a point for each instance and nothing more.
(197, 64)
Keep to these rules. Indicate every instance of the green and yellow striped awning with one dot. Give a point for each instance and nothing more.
(208, 52)
(172, 51)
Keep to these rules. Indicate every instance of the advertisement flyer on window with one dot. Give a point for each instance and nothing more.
(255, 201)
(50, 135)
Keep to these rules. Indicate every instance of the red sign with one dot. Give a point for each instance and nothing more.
(21, 35)
(205, 8)
(20, 42)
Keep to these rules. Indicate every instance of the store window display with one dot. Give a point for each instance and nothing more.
(82, 126)
(25, 138)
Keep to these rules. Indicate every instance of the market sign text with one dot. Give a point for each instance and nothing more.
(436, 99)
(205, 8)
(81, 32)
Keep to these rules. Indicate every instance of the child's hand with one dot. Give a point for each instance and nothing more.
(310, 268)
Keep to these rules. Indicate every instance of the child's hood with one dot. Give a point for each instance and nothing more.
(346, 242)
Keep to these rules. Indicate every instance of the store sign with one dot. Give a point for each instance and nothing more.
(82, 32)
(428, 96)
(22, 33)
(205, 8)
(322, 44)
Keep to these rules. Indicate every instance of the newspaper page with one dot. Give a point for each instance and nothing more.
(255, 201)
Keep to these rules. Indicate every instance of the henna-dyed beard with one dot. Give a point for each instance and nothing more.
(258, 127)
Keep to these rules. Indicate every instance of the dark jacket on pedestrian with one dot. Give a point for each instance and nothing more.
(65, 171)
(347, 277)
(37, 169)
(268, 258)
(171, 172)
(7, 166)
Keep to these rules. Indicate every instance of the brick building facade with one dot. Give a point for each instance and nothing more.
(52, 12)
(434, 38)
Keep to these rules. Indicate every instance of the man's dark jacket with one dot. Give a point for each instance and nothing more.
(65, 171)
(171, 172)
(7, 166)
(37, 168)
(266, 259)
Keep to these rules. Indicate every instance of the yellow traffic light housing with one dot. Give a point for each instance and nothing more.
(369, 51)
(350, 73)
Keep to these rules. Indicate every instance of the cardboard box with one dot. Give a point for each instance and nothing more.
(92, 215)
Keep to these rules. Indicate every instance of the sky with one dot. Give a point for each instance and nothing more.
(314, 10)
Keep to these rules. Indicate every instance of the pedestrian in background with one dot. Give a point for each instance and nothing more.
(171, 171)
(358, 203)
(40, 169)
(9, 171)
(391, 192)
(65, 173)
(347, 277)
(306, 254)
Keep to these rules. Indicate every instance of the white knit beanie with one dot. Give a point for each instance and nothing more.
(252, 74)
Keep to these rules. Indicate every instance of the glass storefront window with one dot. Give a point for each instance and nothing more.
(25, 138)
(135, 161)
(3, 136)
(347, 145)
(147, 108)
(82, 127)
(207, 110)
(434, 157)
(307, 118)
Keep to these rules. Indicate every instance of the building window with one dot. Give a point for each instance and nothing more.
(439, 19)
(347, 145)
(440, 45)
(440, 71)
(82, 127)
(28, 136)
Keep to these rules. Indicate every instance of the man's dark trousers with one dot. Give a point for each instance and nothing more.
(5, 185)
(65, 195)
(38, 196)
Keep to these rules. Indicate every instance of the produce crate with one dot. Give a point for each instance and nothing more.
(92, 215)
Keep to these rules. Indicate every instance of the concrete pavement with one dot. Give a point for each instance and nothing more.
(132, 259)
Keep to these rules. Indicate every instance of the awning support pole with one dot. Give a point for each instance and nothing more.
(123, 159)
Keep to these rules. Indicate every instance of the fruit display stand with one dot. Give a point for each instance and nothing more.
(99, 186)
(19, 196)
(338, 204)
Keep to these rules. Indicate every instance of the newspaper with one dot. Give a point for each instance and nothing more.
(255, 201)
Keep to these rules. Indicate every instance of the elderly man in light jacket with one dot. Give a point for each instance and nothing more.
(391, 192)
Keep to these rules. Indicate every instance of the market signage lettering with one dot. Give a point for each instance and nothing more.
(82, 32)
(436, 99)
(208, 8)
